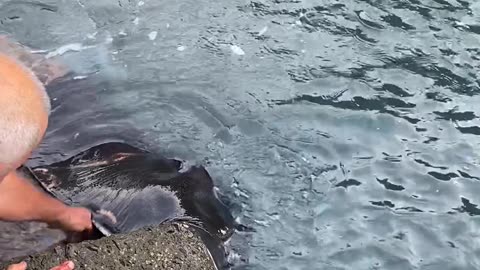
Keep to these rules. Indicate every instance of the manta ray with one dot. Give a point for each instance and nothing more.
(127, 188)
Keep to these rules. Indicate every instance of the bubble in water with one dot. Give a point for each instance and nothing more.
(237, 50)
(66, 48)
(153, 35)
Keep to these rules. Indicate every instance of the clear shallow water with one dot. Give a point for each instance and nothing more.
(344, 133)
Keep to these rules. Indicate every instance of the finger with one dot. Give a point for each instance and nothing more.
(68, 265)
(17, 266)
(90, 226)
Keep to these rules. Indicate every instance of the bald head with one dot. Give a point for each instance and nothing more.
(24, 109)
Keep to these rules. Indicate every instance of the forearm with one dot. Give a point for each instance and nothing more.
(21, 201)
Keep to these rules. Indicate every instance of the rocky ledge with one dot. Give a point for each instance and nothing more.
(169, 246)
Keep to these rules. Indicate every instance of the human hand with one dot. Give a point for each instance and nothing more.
(68, 265)
(74, 219)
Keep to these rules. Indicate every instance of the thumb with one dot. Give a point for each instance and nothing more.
(17, 266)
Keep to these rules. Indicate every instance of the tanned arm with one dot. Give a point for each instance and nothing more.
(21, 201)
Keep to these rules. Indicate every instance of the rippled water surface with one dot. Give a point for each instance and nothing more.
(345, 134)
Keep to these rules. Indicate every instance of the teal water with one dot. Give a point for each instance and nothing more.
(344, 134)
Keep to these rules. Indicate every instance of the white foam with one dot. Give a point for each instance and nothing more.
(92, 36)
(263, 31)
(181, 48)
(108, 40)
(237, 50)
(153, 35)
(38, 51)
(66, 48)
(136, 21)
(141, 3)
(261, 222)
(80, 3)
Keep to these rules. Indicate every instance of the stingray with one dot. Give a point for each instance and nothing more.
(139, 189)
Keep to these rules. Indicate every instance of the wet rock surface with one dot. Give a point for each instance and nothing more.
(169, 246)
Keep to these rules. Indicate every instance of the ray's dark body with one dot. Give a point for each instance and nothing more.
(141, 189)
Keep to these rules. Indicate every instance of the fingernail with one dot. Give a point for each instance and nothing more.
(23, 264)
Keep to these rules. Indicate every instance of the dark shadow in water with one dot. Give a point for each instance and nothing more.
(443, 176)
(442, 76)
(384, 203)
(410, 209)
(468, 207)
(395, 21)
(416, 6)
(474, 130)
(466, 175)
(440, 97)
(379, 104)
(426, 164)
(389, 185)
(398, 91)
(452, 115)
(348, 183)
